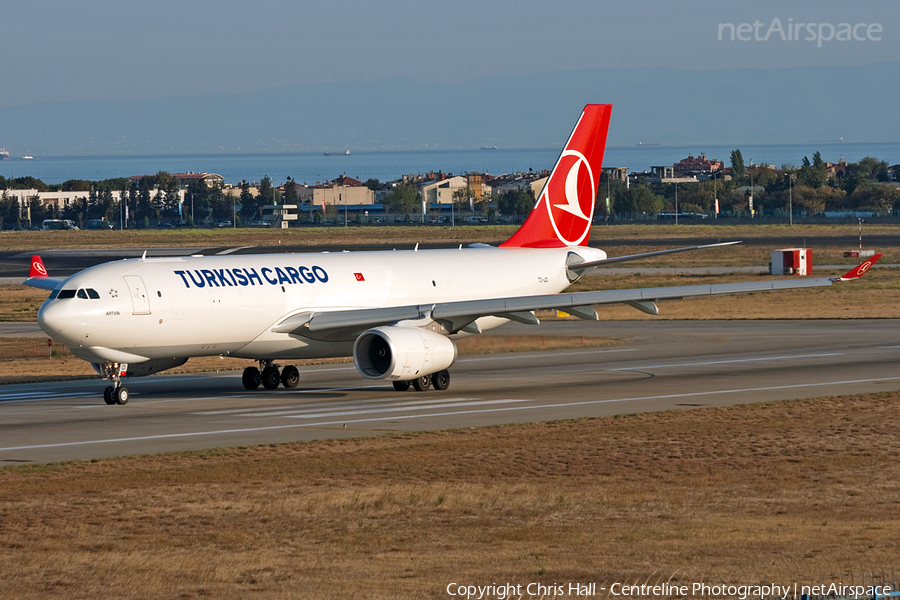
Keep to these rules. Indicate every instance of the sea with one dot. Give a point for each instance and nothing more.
(311, 167)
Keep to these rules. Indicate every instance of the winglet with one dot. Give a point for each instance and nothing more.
(858, 271)
(37, 267)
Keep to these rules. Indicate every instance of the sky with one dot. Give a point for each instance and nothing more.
(62, 50)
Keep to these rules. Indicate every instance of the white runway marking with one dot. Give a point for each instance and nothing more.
(264, 411)
(725, 362)
(451, 413)
(14, 397)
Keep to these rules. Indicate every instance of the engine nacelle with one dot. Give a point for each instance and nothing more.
(402, 353)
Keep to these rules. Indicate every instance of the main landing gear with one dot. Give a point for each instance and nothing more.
(115, 393)
(269, 376)
(440, 381)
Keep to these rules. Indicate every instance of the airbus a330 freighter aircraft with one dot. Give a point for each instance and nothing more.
(397, 313)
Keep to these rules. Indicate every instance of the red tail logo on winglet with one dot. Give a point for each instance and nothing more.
(37, 267)
(858, 271)
(563, 213)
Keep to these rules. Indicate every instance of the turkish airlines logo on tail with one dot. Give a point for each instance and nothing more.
(37, 267)
(570, 195)
(863, 267)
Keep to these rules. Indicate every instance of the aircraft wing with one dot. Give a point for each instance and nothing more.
(461, 315)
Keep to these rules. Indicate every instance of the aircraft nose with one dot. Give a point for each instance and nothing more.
(52, 319)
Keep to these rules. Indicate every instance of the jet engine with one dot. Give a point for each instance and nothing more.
(402, 353)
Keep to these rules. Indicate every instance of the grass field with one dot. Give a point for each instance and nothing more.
(802, 491)
(602, 235)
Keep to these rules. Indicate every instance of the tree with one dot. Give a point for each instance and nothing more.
(39, 211)
(813, 174)
(638, 199)
(77, 185)
(248, 202)
(291, 196)
(737, 165)
(816, 200)
(516, 203)
(9, 210)
(403, 200)
(461, 204)
(266, 195)
(221, 207)
(882, 198)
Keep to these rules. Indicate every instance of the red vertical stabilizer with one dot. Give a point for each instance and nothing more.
(563, 213)
(37, 267)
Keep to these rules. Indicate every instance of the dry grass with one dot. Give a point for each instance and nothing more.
(603, 235)
(802, 491)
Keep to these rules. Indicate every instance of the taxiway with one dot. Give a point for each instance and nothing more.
(656, 366)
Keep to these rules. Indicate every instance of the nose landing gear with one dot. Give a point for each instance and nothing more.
(115, 393)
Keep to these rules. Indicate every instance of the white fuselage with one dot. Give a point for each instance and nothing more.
(139, 309)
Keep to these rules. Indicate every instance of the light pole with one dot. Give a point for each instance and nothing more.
(676, 203)
(791, 197)
(751, 188)
(715, 195)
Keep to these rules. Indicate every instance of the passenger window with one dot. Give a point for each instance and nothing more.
(92, 294)
(82, 294)
(66, 294)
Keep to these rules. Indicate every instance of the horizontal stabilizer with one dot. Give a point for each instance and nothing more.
(582, 268)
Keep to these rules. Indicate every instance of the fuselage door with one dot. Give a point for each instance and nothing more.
(139, 297)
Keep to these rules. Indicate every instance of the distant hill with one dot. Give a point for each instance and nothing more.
(741, 106)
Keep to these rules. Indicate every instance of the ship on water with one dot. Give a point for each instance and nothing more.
(344, 153)
(4, 154)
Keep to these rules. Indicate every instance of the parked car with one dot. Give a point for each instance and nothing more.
(224, 224)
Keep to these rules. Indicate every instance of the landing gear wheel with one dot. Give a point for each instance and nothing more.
(401, 386)
(251, 378)
(421, 383)
(121, 395)
(271, 378)
(441, 380)
(290, 376)
(108, 395)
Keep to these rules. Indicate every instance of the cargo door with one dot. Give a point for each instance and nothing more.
(140, 300)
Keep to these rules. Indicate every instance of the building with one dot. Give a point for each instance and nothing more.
(696, 165)
(185, 179)
(343, 191)
(510, 183)
(441, 190)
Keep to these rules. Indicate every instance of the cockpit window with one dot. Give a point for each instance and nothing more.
(83, 293)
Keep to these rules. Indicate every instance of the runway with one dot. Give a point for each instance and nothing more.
(661, 365)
